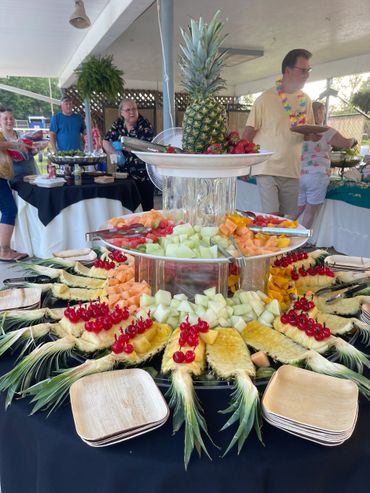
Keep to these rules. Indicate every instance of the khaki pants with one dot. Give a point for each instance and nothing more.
(278, 194)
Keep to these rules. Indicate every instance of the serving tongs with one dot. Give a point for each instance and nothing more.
(306, 233)
(132, 144)
(130, 231)
(347, 289)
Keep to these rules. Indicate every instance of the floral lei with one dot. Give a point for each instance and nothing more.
(298, 117)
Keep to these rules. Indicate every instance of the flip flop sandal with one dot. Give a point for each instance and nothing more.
(21, 256)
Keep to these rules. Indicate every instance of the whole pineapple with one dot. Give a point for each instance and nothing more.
(201, 63)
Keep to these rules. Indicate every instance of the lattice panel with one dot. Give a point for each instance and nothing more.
(146, 100)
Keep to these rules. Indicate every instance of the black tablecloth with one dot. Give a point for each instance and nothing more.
(51, 201)
(45, 455)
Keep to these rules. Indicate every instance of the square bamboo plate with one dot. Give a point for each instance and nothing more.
(121, 437)
(314, 400)
(19, 298)
(122, 401)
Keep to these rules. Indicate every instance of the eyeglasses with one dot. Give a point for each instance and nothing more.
(304, 70)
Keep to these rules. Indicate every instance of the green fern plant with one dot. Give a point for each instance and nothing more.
(98, 75)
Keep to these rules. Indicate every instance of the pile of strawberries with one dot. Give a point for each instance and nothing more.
(234, 145)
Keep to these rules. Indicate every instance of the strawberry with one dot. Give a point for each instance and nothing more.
(233, 137)
(215, 149)
(170, 149)
(239, 148)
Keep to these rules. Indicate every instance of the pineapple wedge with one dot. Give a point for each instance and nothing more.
(229, 358)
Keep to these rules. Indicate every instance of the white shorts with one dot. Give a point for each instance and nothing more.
(312, 188)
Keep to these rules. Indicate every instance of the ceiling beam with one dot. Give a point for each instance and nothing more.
(33, 95)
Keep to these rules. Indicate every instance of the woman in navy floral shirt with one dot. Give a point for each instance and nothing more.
(132, 124)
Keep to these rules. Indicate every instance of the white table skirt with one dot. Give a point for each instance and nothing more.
(66, 230)
(338, 224)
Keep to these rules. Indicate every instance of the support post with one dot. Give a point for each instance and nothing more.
(166, 33)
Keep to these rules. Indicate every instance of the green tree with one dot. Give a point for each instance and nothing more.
(23, 106)
(362, 100)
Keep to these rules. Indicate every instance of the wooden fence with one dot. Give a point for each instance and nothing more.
(150, 104)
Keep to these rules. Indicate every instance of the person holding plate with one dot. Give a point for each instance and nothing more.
(273, 114)
(21, 151)
(315, 167)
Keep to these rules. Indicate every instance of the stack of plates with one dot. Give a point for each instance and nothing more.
(315, 407)
(46, 182)
(20, 299)
(84, 255)
(342, 262)
(111, 407)
(365, 313)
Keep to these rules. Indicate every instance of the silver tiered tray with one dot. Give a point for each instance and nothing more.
(85, 160)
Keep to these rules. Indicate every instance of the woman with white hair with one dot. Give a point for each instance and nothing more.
(131, 124)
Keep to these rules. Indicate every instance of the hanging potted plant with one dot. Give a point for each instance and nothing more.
(98, 75)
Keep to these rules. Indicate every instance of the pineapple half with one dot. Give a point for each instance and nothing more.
(201, 63)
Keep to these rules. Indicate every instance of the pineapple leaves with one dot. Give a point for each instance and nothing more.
(201, 61)
(245, 407)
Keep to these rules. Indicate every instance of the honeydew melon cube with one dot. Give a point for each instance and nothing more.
(249, 316)
(244, 297)
(174, 312)
(142, 313)
(196, 237)
(230, 310)
(183, 237)
(162, 313)
(210, 292)
(216, 306)
(154, 249)
(197, 228)
(193, 318)
(146, 300)
(229, 301)
(185, 307)
(200, 310)
(207, 231)
(179, 251)
(163, 297)
(236, 300)
(220, 298)
(173, 322)
(210, 317)
(201, 299)
(204, 252)
(206, 241)
(180, 296)
(238, 323)
(266, 318)
(174, 304)
(224, 322)
(182, 229)
(273, 307)
(242, 309)
(262, 295)
(189, 243)
(223, 313)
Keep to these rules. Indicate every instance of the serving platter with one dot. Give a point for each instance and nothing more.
(295, 242)
(203, 165)
(309, 129)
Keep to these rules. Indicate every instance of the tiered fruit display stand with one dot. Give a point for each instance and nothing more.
(201, 190)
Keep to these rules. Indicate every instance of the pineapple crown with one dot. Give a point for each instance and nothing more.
(201, 62)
